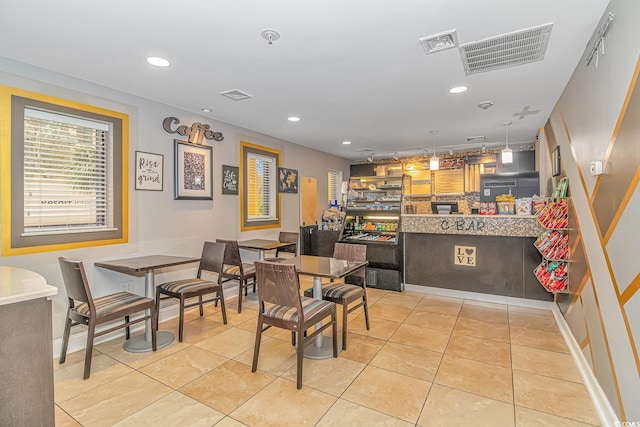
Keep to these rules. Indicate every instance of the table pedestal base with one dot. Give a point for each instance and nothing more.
(139, 344)
(311, 351)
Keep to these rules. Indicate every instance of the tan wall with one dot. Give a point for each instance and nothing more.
(598, 118)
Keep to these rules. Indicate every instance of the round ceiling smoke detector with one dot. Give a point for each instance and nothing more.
(270, 35)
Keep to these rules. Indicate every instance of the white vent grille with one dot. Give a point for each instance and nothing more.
(507, 50)
(236, 94)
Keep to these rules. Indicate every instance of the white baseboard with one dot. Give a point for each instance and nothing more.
(602, 405)
(78, 341)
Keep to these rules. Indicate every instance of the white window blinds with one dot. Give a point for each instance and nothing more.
(67, 174)
(261, 175)
(334, 178)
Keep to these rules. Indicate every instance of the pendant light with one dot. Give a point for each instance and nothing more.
(434, 163)
(507, 153)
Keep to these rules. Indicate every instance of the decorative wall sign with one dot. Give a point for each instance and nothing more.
(230, 176)
(287, 180)
(464, 255)
(556, 169)
(193, 165)
(149, 171)
(195, 132)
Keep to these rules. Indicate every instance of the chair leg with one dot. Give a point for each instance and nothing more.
(223, 308)
(89, 350)
(155, 326)
(334, 330)
(245, 286)
(200, 303)
(345, 314)
(366, 310)
(65, 339)
(299, 354)
(256, 347)
(240, 295)
(181, 320)
(293, 338)
(127, 329)
(154, 321)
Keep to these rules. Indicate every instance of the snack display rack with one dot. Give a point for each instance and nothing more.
(553, 244)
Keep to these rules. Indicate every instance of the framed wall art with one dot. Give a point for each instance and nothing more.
(556, 169)
(287, 180)
(230, 179)
(149, 171)
(193, 166)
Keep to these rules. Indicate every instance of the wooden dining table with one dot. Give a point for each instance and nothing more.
(322, 268)
(262, 245)
(146, 265)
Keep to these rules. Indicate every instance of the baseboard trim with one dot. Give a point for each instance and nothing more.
(602, 405)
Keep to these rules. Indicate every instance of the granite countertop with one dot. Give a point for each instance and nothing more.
(17, 285)
(479, 225)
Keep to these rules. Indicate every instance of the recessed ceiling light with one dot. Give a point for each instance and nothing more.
(158, 62)
(458, 89)
(206, 110)
(294, 119)
(346, 142)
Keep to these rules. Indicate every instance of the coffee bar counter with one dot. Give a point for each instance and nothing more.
(491, 254)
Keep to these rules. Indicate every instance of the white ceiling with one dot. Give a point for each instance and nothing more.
(352, 70)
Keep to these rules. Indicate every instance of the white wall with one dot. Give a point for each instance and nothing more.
(158, 224)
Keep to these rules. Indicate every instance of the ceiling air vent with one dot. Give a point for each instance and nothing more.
(236, 94)
(441, 41)
(507, 50)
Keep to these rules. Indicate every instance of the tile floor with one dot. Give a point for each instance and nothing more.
(427, 361)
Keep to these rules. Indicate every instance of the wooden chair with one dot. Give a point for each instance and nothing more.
(287, 237)
(234, 269)
(344, 293)
(85, 310)
(278, 286)
(183, 289)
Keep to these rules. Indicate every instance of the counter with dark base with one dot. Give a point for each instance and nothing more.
(475, 253)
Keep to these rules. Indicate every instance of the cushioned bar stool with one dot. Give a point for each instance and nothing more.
(344, 293)
(183, 289)
(234, 269)
(278, 286)
(85, 310)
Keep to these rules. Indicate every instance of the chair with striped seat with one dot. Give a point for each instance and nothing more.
(183, 289)
(282, 306)
(234, 269)
(345, 293)
(85, 310)
(286, 237)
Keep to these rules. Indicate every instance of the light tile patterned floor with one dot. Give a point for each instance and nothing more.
(427, 361)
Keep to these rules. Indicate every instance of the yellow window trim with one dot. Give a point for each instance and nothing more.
(6, 93)
(244, 144)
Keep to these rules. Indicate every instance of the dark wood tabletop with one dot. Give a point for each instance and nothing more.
(144, 263)
(319, 266)
(263, 244)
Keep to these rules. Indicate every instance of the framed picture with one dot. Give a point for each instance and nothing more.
(192, 168)
(555, 162)
(287, 180)
(149, 171)
(230, 179)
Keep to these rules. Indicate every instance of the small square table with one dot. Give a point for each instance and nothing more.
(262, 245)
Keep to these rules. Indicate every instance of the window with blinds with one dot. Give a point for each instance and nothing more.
(67, 170)
(260, 201)
(66, 174)
(261, 187)
(334, 190)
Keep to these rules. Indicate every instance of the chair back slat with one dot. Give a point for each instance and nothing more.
(212, 258)
(75, 281)
(289, 237)
(278, 284)
(232, 254)
(351, 252)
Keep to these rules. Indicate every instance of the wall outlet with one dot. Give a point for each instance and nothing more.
(596, 167)
(127, 286)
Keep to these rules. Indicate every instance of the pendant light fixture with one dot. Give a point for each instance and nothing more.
(507, 153)
(434, 163)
